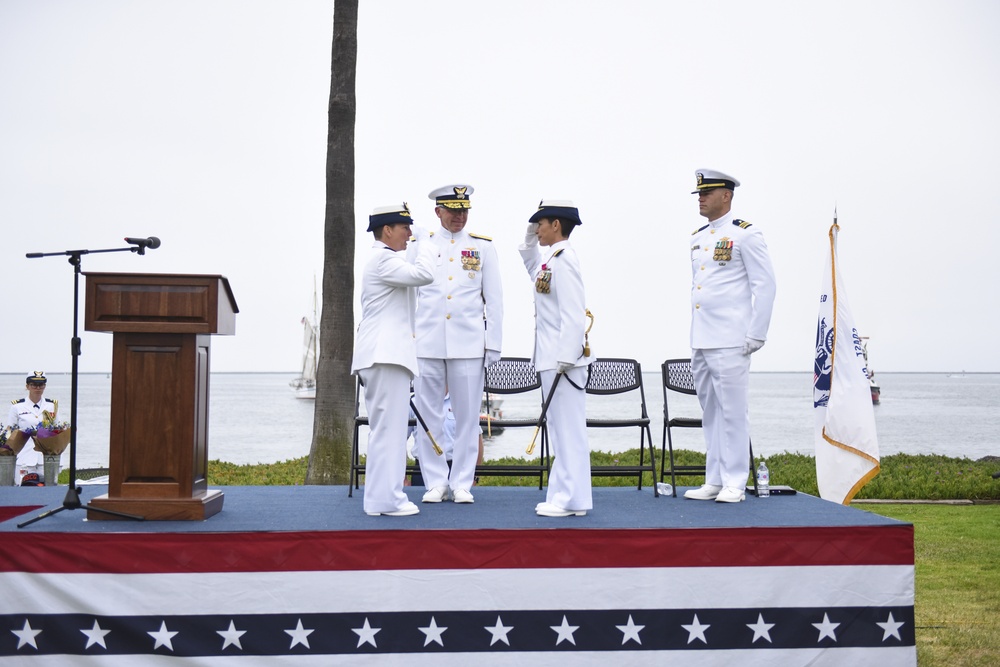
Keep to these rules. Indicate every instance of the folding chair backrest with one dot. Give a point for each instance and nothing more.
(677, 376)
(614, 376)
(512, 375)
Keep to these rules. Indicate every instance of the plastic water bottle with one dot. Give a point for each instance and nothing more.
(664, 488)
(763, 481)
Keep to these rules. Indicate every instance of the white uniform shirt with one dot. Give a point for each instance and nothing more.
(561, 311)
(388, 297)
(460, 314)
(24, 415)
(732, 288)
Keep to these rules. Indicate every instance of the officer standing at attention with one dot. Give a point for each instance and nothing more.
(560, 336)
(732, 294)
(459, 330)
(26, 413)
(385, 356)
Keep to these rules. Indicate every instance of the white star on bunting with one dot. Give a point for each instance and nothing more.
(499, 632)
(760, 629)
(231, 636)
(432, 633)
(163, 637)
(630, 631)
(696, 630)
(299, 635)
(96, 635)
(826, 628)
(366, 634)
(891, 628)
(565, 632)
(26, 635)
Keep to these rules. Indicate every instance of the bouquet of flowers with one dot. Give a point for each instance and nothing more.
(12, 441)
(5, 449)
(51, 436)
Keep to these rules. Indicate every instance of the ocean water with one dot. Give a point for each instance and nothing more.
(255, 418)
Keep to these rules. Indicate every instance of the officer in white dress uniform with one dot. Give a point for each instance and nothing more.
(26, 414)
(459, 331)
(732, 294)
(385, 355)
(560, 328)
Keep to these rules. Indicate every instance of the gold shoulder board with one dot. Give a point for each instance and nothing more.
(480, 236)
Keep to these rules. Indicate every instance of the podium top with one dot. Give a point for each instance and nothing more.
(159, 303)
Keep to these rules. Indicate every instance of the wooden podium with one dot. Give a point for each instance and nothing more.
(162, 325)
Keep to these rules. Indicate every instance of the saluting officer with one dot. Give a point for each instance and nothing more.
(385, 356)
(459, 332)
(560, 337)
(26, 413)
(732, 294)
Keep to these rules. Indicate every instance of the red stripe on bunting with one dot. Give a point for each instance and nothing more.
(133, 553)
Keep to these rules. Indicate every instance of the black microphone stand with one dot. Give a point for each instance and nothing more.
(72, 499)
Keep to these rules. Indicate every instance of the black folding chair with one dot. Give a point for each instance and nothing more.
(610, 377)
(515, 375)
(677, 377)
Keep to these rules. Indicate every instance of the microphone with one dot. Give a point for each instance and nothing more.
(152, 243)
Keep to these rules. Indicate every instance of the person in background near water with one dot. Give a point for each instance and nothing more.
(385, 356)
(732, 295)
(459, 331)
(560, 334)
(26, 413)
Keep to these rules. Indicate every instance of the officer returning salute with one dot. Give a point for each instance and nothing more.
(385, 357)
(560, 329)
(732, 294)
(25, 414)
(459, 329)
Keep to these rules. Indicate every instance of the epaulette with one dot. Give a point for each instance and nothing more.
(558, 252)
(16, 401)
(742, 224)
(700, 229)
(480, 236)
(49, 400)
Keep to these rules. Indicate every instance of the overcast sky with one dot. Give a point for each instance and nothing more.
(204, 123)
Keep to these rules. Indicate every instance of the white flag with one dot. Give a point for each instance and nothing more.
(846, 444)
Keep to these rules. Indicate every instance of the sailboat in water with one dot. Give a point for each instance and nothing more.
(305, 385)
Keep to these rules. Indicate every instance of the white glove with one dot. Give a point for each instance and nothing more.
(492, 356)
(530, 238)
(751, 345)
(563, 366)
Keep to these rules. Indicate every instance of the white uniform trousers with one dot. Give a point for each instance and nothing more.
(722, 381)
(463, 380)
(387, 400)
(569, 480)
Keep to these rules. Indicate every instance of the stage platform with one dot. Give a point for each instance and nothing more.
(301, 574)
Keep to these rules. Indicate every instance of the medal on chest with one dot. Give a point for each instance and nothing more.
(723, 250)
(543, 283)
(471, 260)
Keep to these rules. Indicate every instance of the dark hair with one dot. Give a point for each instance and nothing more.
(567, 226)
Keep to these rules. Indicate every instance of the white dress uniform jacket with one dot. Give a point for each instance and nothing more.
(388, 298)
(732, 287)
(560, 313)
(460, 314)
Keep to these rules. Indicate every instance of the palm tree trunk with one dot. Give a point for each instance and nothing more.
(333, 422)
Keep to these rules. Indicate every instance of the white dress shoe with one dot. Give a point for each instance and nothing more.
(548, 509)
(462, 496)
(730, 494)
(706, 492)
(435, 495)
(408, 509)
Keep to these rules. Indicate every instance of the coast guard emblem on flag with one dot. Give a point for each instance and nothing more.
(822, 366)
